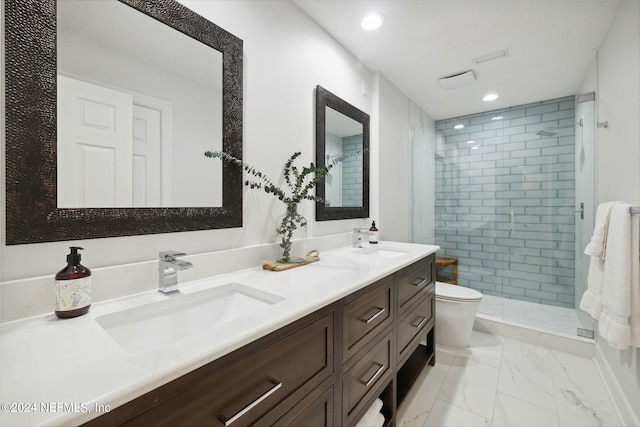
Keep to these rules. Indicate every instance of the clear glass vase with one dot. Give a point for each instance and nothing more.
(291, 236)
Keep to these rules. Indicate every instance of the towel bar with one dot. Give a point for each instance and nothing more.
(635, 210)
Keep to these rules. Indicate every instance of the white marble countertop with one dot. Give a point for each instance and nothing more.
(68, 371)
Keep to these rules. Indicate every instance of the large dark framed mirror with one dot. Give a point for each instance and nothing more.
(203, 194)
(342, 141)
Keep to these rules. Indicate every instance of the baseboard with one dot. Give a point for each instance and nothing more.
(622, 405)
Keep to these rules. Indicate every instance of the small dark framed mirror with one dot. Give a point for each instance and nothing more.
(40, 36)
(342, 141)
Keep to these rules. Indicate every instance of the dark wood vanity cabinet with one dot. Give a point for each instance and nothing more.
(325, 369)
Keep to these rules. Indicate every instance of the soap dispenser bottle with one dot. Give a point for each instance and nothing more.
(373, 233)
(73, 287)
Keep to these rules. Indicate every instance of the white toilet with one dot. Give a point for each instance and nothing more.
(456, 308)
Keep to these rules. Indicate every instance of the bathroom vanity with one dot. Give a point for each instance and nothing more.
(331, 338)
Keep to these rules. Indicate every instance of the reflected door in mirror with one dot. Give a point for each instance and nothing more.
(164, 73)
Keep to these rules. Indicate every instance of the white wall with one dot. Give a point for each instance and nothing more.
(395, 178)
(618, 87)
(285, 56)
(422, 136)
(617, 80)
(407, 170)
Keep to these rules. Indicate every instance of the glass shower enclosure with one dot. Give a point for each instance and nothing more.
(514, 204)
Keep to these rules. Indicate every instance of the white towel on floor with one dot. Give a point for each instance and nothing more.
(613, 323)
(591, 300)
(598, 243)
(371, 418)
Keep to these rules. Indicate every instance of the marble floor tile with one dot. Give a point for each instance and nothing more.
(577, 374)
(421, 398)
(575, 409)
(484, 348)
(525, 373)
(512, 412)
(445, 357)
(470, 385)
(501, 381)
(444, 414)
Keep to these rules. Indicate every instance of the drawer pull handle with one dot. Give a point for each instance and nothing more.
(419, 325)
(234, 418)
(420, 281)
(379, 311)
(375, 374)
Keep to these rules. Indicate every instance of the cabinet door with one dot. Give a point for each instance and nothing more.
(413, 280)
(243, 392)
(365, 316)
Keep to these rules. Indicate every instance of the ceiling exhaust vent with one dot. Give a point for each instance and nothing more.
(491, 56)
(455, 81)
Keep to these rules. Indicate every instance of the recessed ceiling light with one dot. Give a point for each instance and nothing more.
(460, 126)
(497, 118)
(371, 22)
(490, 97)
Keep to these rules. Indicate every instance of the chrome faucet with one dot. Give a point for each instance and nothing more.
(169, 266)
(358, 233)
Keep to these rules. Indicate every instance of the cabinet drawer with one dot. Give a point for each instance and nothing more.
(366, 378)
(412, 280)
(419, 317)
(365, 316)
(244, 391)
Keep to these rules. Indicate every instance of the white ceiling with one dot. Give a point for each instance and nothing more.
(551, 46)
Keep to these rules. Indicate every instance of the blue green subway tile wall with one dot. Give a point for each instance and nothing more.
(512, 173)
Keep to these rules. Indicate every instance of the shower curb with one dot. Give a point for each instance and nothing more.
(576, 345)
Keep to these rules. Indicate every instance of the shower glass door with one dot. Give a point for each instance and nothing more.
(505, 201)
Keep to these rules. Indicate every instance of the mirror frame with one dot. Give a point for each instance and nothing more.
(32, 214)
(324, 99)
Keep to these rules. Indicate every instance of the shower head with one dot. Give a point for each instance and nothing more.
(547, 131)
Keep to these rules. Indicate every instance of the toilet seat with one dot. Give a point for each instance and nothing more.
(448, 292)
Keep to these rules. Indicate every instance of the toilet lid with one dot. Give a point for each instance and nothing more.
(456, 293)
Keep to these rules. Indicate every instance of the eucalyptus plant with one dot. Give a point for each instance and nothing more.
(300, 185)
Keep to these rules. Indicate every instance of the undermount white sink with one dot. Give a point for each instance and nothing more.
(379, 252)
(158, 324)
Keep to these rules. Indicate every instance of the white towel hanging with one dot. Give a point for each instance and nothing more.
(620, 277)
(613, 294)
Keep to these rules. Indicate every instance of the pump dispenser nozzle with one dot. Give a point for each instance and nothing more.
(74, 257)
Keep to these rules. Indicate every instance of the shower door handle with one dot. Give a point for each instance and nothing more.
(581, 210)
(513, 228)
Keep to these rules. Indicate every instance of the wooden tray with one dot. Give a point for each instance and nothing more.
(312, 256)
